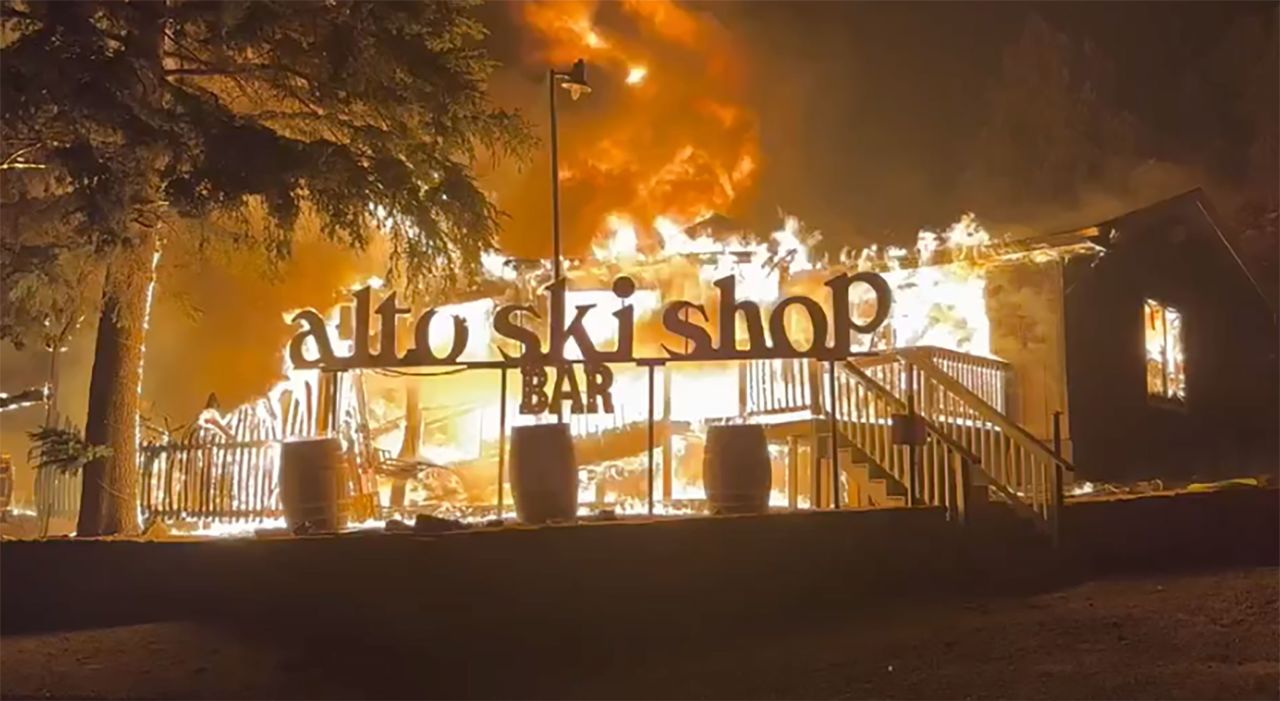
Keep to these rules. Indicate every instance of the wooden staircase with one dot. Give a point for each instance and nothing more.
(874, 485)
(863, 481)
(973, 451)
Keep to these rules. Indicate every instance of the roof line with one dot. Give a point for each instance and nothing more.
(1235, 256)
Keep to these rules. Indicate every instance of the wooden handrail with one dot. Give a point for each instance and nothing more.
(958, 355)
(988, 412)
(947, 381)
(889, 356)
(901, 405)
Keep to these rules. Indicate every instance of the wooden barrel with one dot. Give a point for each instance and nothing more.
(6, 483)
(311, 479)
(544, 475)
(736, 469)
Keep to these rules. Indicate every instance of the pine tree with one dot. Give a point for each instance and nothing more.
(365, 117)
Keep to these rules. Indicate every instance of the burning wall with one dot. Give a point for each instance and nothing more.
(443, 427)
(1026, 308)
(939, 300)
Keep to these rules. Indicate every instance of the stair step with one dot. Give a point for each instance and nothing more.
(883, 497)
(870, 483)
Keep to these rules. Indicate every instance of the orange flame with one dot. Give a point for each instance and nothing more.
(666, 134)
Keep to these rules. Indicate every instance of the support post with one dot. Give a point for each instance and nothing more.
(793, 472)
(324, 380)
(913, 452)
(650, 444)
(835, 436)
(815, 447)
(668, 446)
(555, 319)
(409, 443)
(815, 386)
(327, 389)
(555, 192)
(1055, 510)
(960, 480)
(502, 439)
(815, 465)
(335, 407)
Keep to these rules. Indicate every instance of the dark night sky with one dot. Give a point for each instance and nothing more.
(889, 94)
(869, 102)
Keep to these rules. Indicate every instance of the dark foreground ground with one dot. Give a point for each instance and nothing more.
(1155, 597)
(1194, 636)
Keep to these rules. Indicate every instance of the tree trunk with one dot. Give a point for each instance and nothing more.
(55, 349)
(109, 497)
(51, 402)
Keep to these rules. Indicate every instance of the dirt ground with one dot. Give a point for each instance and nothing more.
(1198, 636)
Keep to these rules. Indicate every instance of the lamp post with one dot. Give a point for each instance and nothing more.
(575, 81)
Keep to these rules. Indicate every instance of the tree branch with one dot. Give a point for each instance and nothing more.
(201, 72)
(11, 162)
(8, 11)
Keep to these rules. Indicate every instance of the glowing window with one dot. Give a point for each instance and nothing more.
(1166, 374)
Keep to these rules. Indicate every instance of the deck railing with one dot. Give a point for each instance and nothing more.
(206, 478)
(985, 377)
(221, 469)
(230, 471)
(226, 468)
(57, 496)
(780, 386)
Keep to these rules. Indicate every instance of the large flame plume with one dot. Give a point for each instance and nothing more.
(665, 136)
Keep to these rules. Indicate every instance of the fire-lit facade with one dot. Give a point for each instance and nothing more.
(1009, 311)
(940, 302)
(434, 439)
(1011, 350)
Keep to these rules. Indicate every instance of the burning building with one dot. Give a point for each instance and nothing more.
(1090, 352)
(1093, 354)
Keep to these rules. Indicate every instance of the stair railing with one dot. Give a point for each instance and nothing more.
(985, 377)
(961, 399)
(940, 474)
(1023, 470)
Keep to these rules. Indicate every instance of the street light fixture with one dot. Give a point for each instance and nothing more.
(574, 80)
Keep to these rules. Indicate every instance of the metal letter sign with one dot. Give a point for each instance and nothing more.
(542, 390)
